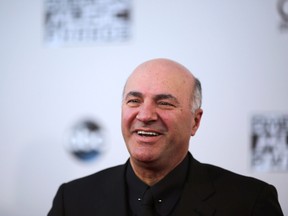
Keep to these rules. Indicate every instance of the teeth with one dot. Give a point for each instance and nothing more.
(145, 133)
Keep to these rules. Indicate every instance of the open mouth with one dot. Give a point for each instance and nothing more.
(147, 133)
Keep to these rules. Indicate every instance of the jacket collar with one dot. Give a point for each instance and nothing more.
(197, 190)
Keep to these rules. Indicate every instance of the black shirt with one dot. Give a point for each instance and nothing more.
(166, 193)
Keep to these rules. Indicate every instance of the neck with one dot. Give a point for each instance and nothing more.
(150, 174)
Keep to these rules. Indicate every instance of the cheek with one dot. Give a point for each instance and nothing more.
(183, 123)
(127, 116)
(177, 119)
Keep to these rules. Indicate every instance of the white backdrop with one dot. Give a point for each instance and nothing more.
(234, 47)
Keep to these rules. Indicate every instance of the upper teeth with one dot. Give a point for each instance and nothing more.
(146, 133)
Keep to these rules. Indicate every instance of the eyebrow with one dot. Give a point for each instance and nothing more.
(133, 94)
(157, 97)
(166, 97)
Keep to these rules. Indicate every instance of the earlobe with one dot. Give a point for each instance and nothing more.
(197, 119)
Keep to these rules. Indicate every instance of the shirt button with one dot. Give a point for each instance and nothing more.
(159, 201)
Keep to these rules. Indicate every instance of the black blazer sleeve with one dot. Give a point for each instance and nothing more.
(267, 203)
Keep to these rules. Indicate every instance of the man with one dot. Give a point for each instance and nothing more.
(161, 110)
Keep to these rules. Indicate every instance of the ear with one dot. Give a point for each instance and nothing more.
(196, 121)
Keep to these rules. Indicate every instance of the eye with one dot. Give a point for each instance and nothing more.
(133, 102)
(166, 104)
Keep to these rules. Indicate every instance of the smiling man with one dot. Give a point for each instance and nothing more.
(158, 117)
(161, 111)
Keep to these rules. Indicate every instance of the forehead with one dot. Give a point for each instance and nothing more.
(160, 77)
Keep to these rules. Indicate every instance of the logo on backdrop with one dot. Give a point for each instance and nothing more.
(269, 142)
(282, 7)
(86, 140)
(68, 22)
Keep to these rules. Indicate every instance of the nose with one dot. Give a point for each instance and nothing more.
(147, 113)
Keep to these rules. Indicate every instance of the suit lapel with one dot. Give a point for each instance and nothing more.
(197, 190)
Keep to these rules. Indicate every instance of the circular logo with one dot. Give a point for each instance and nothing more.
(86, 140)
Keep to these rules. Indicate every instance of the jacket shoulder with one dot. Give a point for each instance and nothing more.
(93, 194)
(101, 178)
(232, 193)
(220, 175)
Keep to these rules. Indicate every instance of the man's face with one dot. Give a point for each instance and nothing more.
(157, 120)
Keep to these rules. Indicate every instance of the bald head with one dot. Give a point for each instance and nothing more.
(169, 73)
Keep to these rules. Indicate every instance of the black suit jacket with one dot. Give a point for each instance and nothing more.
(209, 190)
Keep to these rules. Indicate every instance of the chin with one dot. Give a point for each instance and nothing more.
(143, 156)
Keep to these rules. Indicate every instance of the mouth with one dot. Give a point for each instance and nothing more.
(147, 133)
